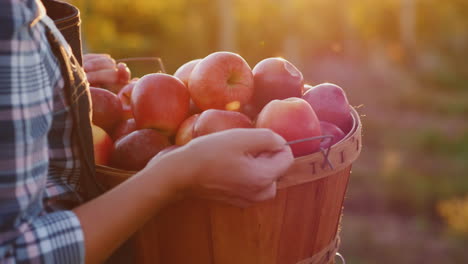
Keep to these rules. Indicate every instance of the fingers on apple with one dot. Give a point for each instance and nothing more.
(124, 73)
(103, 77)
(98, 63)
(256, 141)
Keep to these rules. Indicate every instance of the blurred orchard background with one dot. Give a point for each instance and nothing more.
(403, 63)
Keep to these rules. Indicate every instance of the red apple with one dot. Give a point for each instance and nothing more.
(103, 146)
(219, 79)
(250, 110)
(160, 101)
(125, 96)
(213, 120)
(185, 132)
(293, 119)
(184, 71)
(332, 130)
(275, 78)
(193, 109)
(331, 105)
(124, 128)
(133, 151)
(107, 109)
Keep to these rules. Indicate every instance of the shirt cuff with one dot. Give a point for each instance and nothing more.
(52, 238)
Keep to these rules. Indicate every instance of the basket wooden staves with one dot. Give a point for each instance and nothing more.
(299, 226)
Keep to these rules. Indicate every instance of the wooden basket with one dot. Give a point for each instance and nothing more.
(299, 226)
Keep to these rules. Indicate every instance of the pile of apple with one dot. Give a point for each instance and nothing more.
(159, 112)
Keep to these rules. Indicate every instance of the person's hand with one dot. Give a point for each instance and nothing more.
(102, 71)
(237, 166)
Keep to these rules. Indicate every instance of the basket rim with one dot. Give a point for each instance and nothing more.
(345, 144)
(357, 125)
(330, 162)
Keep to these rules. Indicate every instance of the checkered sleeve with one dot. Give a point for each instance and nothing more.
(28, 234)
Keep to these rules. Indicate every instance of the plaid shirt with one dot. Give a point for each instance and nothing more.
(39, 164)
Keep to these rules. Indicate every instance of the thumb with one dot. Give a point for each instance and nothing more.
(123, 72)
(267, 193)
(274, 164)
(258, 140)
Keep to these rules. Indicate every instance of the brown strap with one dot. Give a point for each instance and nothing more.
(67, 19)
(77, 93)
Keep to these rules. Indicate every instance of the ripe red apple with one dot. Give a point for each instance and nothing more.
(220, 79)
(213, 120)
(185, 131)
(250, 110)
(193, 109)
(184, 71)
(160, 101)
(107, 109)
(275, 78)
(331, 105)
(332, 130)
(293, 119)
(133, 151)
(102, 144)
(124, 128)
(125, 96)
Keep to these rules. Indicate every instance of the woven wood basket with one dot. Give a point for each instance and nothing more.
(299, 226)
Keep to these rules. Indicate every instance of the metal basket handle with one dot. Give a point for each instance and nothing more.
(156, 59)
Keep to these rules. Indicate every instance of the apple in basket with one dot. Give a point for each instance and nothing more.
(275, 78)
(331, 105)
(185, 132)
(102, 144)
(220, 81)
(124, 128)
(213, 120)
(133, 151)
(184, 71)
(330, 130)
(125, 96)
(160, 101)
(106, 107)
(292, 118)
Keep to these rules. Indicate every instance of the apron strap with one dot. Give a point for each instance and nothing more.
(76, 89)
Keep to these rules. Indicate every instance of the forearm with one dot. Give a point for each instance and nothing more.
(110, 219)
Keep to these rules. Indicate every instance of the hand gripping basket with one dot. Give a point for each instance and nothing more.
(299, 226)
